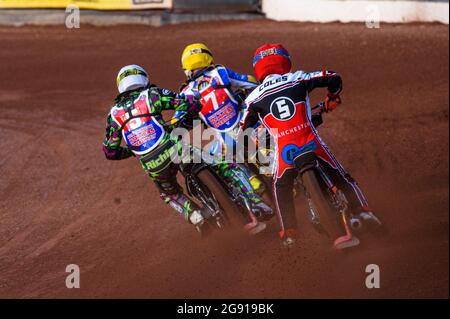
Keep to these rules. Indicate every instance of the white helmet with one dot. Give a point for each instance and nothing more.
(131, 77)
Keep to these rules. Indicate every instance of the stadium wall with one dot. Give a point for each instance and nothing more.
(87, 4)
(394, 11)
(208, 6)
(115, 12)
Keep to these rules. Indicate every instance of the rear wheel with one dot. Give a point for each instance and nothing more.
(318, 202)
(231, 211)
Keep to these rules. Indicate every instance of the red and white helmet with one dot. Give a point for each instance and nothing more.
(271, 59)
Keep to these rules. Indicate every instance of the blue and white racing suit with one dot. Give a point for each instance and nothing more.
(222, 106)
(222, 110)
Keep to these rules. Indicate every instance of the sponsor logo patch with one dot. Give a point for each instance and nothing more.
(291, 151)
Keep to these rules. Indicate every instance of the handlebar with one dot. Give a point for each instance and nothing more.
(320, 107)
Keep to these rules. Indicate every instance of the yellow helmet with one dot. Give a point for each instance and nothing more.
(196, 56)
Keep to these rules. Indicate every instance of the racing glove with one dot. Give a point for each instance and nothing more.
(117, 154)
(332, 101)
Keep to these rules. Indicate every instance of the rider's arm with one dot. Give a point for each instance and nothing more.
(183, 105)
(111, 144)
(329, 79)
(240, 81)
(249, 120)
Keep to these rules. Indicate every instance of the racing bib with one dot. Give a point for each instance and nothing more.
(219, 108)
(141, 133)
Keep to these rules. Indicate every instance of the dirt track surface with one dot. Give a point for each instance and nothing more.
(62, 202)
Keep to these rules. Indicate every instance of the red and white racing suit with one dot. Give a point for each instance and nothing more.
(281, 103)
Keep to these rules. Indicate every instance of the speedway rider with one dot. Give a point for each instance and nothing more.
(281, 103)
(216, 86)
(137, 117)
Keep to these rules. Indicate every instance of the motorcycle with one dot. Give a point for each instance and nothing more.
(223, 204)
(329, 211)
(263, 168)
(328, 208)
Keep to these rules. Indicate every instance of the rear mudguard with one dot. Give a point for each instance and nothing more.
(309, 160)
(306, 161)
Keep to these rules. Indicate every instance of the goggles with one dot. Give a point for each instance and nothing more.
(126, 73)
(269, 52)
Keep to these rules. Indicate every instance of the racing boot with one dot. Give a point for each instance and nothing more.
(198, 219)
(253, 225)
(260, 209)
(369, 219)
(263, 211)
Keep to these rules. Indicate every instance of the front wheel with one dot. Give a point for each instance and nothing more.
(230, 209)
(324, 218)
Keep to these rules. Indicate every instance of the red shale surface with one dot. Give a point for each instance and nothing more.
(61, 202)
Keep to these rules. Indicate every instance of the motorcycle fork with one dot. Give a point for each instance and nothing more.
(241, 174)
(194, 188)
(240, 199)
(244, 203)
(337, 198)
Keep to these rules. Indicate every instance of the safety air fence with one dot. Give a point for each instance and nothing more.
(371, 11)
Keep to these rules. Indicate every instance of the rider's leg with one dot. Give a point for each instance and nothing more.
(255, 182)
(159, 166)
(283, 198)
(230, 150)
(172, 193)
(233, 174)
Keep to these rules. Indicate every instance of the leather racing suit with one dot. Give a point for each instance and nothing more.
(282, 104)
(222, 112)
(136, 117)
